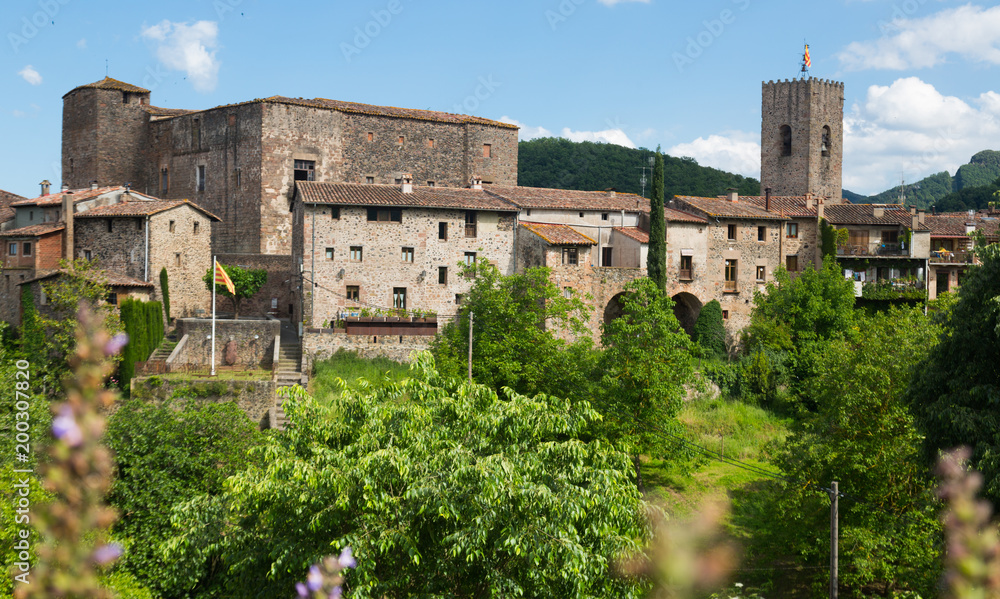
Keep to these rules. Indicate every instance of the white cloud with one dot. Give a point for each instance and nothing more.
(82, 44)
(29, 74)
(610, 136)
(188, 48)
(613, 2)
(969, 31)
(613, 135)
(525, 132)
(909, 129)
(733, 151)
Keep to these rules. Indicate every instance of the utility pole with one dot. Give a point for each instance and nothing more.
(834, 534)
(472, 317)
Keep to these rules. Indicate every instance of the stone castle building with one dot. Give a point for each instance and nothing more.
(241, 161)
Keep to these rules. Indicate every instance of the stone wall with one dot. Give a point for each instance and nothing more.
(255, 398)
(749, 254)
(121, 250)
(382, 267)
(806, 106)
(187, 256)
(276, 297)
(806, 245)
(254, 341)
(321, 345)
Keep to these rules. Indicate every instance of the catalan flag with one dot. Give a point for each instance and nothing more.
(806, 59)
(222, 278)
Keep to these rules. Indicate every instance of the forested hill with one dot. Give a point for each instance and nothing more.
(942, 188)
(562, 164)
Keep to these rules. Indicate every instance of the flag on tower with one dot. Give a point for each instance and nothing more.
(805, 57)
(222, 278)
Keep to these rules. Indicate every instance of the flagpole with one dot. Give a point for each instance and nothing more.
(215, 265)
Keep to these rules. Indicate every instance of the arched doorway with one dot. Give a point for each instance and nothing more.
(686, 308)
(614, 309)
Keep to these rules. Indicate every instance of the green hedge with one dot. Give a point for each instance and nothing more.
(143, 322)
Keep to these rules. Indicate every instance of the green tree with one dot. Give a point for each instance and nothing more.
(246, 281)
(656, 257)
(957, 387)
(442, 489)
(167, 454)
(514, 342)
(863, 436)
(709, 332)
(645, 364)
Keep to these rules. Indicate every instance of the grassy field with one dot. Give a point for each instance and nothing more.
(350, 367)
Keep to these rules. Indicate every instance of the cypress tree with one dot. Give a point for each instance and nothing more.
(165, 290)
(656, 258)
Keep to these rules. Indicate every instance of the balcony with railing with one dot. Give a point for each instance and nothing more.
(873, 249)
(944, 256)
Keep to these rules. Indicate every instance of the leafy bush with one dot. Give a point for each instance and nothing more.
(709, 332)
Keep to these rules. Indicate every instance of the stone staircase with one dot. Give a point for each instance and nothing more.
(164, 350)
(288, 372)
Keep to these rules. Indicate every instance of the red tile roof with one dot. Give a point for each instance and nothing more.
(558, 234)
(109, 83)
(357, 194)
(565, 199)
(140, 208)
(6, 199)
(33, 230)
(79, 195)
(679, 216)
(714, 207)
(947, 226)
(791, 206)
(633, 233)
(112, 279)
(863, 214)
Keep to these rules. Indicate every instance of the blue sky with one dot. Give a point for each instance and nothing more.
(918, 74)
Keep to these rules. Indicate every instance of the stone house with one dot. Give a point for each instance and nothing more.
(132, 235)
(6, 211)
(241, 161)
(391, 247)
(120, 287)
(951, 247)
(743, 246)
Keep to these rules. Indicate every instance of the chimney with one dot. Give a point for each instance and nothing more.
(610, 192)
(68, 241)
(914, 222)
(767, 199)
(809, 201)
(913, 209)
(93, 184)
(65, 187)
(477, 183)
(920, 215)
(878, 211)
(407, 186)
(819, 208)
(969, 228)
(45, 187)
(733, 195)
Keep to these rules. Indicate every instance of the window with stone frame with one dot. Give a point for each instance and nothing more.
(470, 223)
(761, 233)
(111, 225)
(442, 275)
(826, 141)
(112, 298)
(197, 226)
(385, 215)
(171, 226)
(607, 256)
(399, 298)
(354, 293)
(458, 299)
(329, 254)
(470, 258)
(371, 136)
(430, 142)
(26, 248)
(305, 170)
(12, 248)
(487, 150)
(761, 274)
(201, 177)
(356, 253)
(335, 212)
(571, 256)
(731, 232)
(687, 268)
(792, 263)
(369, 180)
(177, 257)
(430, 184)
(408, 254)
(792, 230)
(164, 181)
(443, 231)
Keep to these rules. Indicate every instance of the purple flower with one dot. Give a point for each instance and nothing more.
(64, 427)
(116, 344)
(107, 553)
(335, 593)
(346, 559)
(315, 578)
(301, 589)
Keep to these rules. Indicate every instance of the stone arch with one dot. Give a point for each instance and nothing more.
(687, 307)
(614, 308)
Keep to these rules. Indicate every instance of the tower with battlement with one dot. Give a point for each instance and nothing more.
(802, 138)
